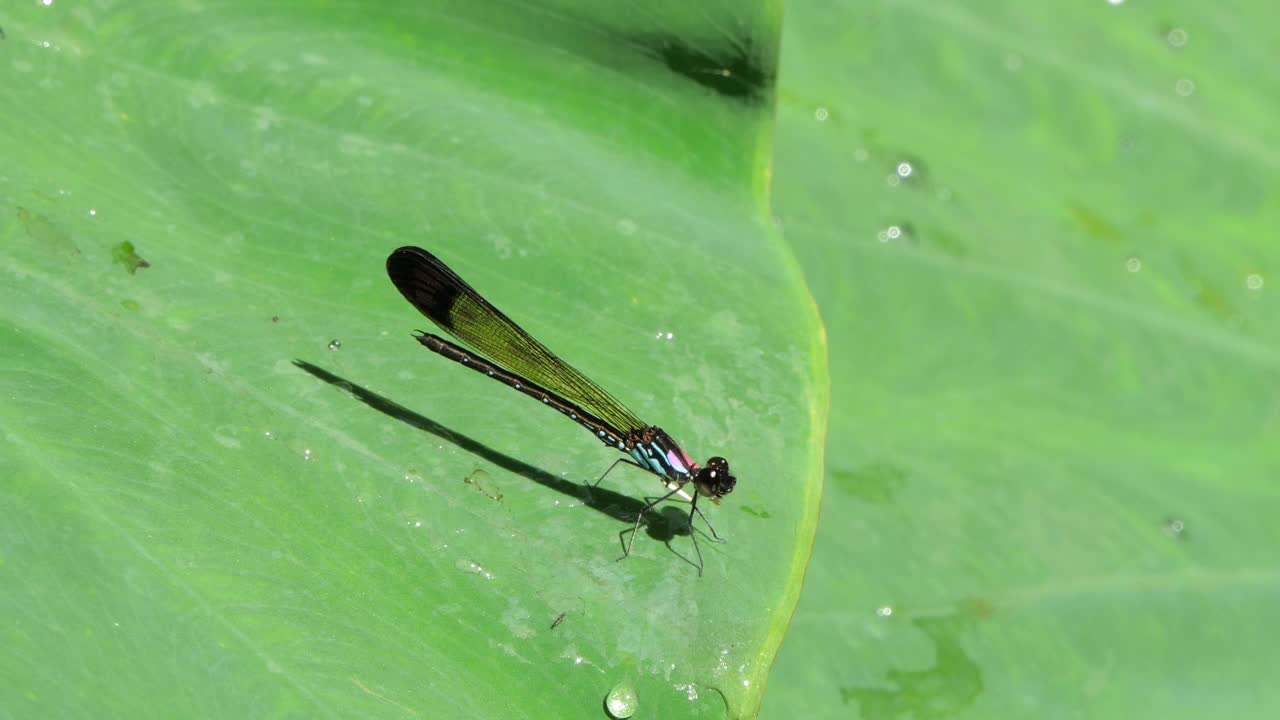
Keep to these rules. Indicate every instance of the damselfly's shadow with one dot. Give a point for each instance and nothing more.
(613, 504)
(665, 524)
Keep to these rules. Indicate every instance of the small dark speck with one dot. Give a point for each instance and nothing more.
(335, 344)
(275, 318)
(981, 607)
(559, 619)
(756, 511)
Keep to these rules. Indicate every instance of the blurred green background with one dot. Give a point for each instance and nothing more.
(1039, 239)
(1042, 239)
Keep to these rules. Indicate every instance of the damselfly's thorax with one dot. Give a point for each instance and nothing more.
(654, 449)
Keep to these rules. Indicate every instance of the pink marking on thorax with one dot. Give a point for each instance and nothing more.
(682, 463)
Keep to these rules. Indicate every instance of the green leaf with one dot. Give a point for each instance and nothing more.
(233, 484)
(1053, 448)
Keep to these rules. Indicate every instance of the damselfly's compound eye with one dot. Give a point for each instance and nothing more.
(713, 479)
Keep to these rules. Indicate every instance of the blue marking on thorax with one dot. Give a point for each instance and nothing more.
(656, 459)
(639, 456)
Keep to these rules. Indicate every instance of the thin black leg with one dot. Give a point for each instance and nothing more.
(693, 535)
(606, 472)
(591, 486)
(627, 460)
(714, 536)
(627, 551)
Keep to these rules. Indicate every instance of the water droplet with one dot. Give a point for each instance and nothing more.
(664, 335)
(1133, 264)
(1114, 2)
(860, 155)
(690, 691)
(885, 611)
(473, 568)
(1176, 527)
(1177, 38)
(821, 114)
(485, 484)
(904, 170)
(891, 233)
(1253, 281)
(622, 701)
(306, 454)
(1184, 87)
(335, 344)
(93, 212)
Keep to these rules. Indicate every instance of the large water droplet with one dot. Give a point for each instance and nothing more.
(485, 484)
(622, 701)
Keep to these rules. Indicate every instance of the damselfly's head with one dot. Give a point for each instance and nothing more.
(713, 479)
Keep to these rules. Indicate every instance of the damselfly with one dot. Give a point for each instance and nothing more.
(505, 352)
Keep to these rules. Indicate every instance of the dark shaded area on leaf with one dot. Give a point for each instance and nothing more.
(734, 69)
(666, 523)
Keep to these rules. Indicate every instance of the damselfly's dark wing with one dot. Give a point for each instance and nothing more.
(460, 311)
